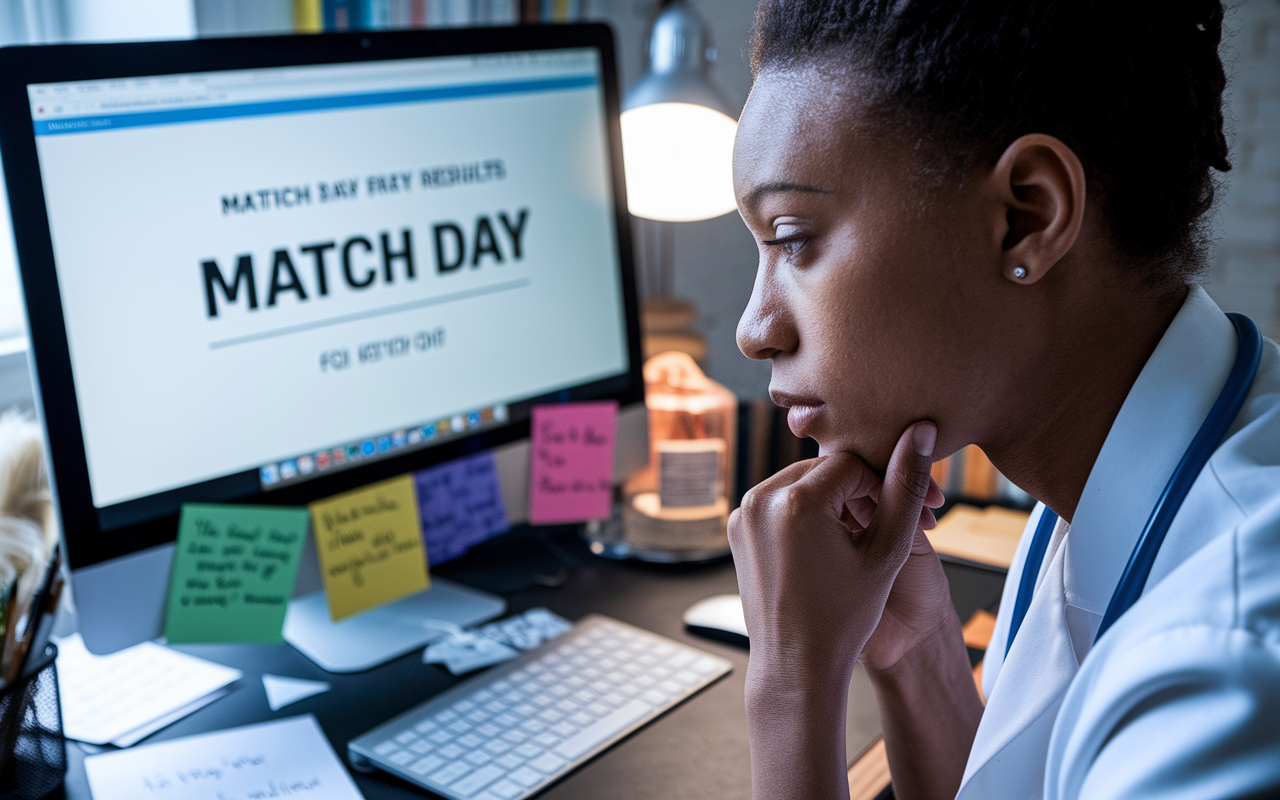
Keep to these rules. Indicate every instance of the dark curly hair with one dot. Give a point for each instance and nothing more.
(1134, 87)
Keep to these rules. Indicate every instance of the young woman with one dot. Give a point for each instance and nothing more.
(982, 222)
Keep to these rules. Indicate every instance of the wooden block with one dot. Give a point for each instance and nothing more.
(978, 630)
(869, 775)
(987, 536)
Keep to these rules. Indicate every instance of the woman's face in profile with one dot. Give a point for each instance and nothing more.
(873, 294)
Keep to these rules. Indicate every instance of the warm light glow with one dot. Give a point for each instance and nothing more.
(679, 161)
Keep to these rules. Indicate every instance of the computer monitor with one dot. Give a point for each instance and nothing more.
(270, 270)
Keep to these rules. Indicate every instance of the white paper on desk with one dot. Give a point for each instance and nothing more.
(287, 758)
(107, 698)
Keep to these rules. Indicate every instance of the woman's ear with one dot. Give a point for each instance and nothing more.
(1039, 185)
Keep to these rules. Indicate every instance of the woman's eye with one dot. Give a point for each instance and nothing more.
(790, 245)
(790, 238)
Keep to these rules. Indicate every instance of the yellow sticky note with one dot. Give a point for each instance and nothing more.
(370, 546)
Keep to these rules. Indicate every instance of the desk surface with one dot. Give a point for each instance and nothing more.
(697, 750)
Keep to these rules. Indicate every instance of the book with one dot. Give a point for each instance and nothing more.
(308, 16)
(343, 15)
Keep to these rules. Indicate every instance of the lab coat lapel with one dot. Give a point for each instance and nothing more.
(1007, 759)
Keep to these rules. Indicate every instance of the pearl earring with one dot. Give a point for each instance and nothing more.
(1019, 272)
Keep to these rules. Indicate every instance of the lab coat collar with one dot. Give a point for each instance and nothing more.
(1159, 418)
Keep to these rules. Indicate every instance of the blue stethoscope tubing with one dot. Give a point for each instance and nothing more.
(1212, 431)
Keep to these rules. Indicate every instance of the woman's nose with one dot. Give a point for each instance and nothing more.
(766, 330)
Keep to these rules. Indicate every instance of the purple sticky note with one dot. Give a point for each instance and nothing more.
(572, 462)
(460, 504)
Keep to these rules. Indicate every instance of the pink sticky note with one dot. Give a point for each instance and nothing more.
(572, 462)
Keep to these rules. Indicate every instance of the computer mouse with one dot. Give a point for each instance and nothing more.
(718, 618)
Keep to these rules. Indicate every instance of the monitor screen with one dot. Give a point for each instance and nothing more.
(269, 275)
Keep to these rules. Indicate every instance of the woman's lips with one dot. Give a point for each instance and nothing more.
(802, 418)
(802, 414)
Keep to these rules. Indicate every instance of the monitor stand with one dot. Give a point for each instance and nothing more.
(387, 632)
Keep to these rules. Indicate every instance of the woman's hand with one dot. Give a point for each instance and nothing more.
(818, 548)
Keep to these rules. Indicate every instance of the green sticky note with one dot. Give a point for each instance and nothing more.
(233, 573)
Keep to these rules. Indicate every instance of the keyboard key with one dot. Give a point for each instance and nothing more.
(463, 706)
(593, 735)
(445, 716)
(401, 758)
(426, 726)
(440, 737)
(525, 710)
(582, 719)
(496, 707)
(488, 730)
(704, 666)
(450, 773)
(685, 677)
(510, 761)
(461, 726)
(479, 757)
(501, 686)
(482, 696)
(564, 729)
(653, 698)
(547, 739)
(506, 789)
(671, 688)
(428, 764)
(406, 737)
(560, 690)
(534, 725)
(478, 716)
(551, 716)
(526, 777)
(422, 746)
(476, 781)
(681, 660)
(451, 751)
(497, 747)
(470, 740)
(506, 720)
(599, 709)
(567, 706)
(528, 750)
(515, 736)
(386, 748)
(547, 763)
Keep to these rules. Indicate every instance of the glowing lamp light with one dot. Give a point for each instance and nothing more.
(677, 134)
(679, 161)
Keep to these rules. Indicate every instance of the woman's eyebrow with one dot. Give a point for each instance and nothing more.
(754, 196)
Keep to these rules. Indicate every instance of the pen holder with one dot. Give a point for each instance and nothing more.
(33, 753)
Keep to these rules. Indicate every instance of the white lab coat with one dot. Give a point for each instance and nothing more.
(1181, 697)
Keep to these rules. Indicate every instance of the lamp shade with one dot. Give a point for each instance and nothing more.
(677, 133)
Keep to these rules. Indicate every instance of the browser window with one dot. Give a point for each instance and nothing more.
(266, 271)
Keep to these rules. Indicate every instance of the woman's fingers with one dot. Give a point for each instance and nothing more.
(907, 484)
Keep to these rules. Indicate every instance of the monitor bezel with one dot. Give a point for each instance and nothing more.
(87, 542)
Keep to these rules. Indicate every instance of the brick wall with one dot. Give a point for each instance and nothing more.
(1245, 275)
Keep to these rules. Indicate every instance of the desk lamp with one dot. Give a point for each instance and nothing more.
(677, 139)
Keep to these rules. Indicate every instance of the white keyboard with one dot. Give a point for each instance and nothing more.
(510, 732)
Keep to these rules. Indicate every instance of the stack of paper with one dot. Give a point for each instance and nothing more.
(287, 758)
(126, 696)
(987, 536)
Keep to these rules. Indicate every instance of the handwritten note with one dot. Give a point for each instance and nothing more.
(233, 573)
(460, 504)
(370, 546)
(287, 758)
(572, 468)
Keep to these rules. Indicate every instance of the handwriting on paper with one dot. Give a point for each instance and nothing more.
(460, 504)
(285, 758)
(370, 546)
(571, 471)
(233, 573)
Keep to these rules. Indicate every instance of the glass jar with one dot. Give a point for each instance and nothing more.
(677, 508)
